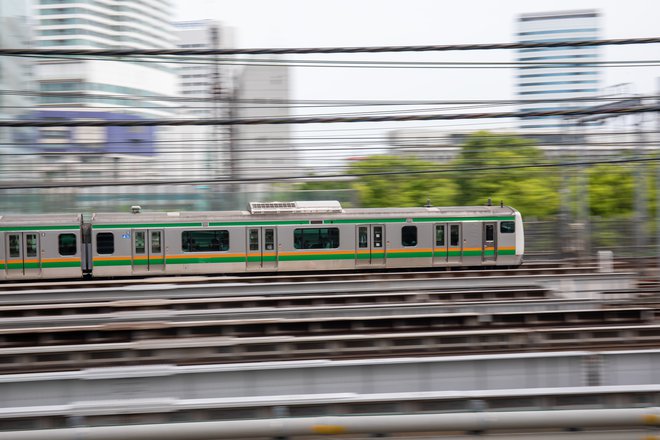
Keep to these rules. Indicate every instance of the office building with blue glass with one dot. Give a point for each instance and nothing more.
(557, 78)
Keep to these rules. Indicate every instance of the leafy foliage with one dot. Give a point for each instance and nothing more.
(611, 190)
(533, 191)
(380, 190)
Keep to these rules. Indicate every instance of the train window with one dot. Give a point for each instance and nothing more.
(454, 235)
(253, 238)
(363, 232)
(409, 236)
(507, 227)
(30, 245)
(316, 238)
(269, 239)
(490, 233)
(67, 244)
(156, 245)
(105, 243)
(139, 242)
(378, 237)
(439, 235)
(14, 246)
(205, 241)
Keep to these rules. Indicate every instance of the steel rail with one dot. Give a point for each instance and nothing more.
(200, 350)
(485, 313)
(450, 272)
(581, 285)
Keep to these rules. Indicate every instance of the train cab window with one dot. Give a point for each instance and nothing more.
(105, 243)
(67, 244)
(205, 241)
(316, 238)
(507, 227)
(409, 236)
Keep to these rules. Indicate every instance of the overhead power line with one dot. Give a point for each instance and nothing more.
(329, 120)
(326, 50)
(113, 183)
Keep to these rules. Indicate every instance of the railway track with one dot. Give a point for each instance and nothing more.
(551, 268)
(55, 337)
(226, 350)
(248, 319)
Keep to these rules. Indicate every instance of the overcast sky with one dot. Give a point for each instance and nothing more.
(315, 23)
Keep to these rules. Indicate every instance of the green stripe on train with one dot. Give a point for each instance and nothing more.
(20, 266)
(317, 257)
(206, 260)
(409, 254)
(148, 225)
(112, 263)
(39, 228)
(416, 220)
(261, 223)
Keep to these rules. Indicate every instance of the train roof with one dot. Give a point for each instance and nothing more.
(36, 220)
(318, 212)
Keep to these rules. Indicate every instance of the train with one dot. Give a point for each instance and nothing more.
(268, 237)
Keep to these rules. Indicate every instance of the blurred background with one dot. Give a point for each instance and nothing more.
(581, 182)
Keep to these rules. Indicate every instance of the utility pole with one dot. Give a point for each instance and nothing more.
(640, 191)
(224, 95)
(584, 209)
(232, 93)
(216, 91)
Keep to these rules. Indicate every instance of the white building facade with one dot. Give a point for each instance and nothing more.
(233, 87)
(104, 88)
(557, 73)
(16, 80)
(133, 87)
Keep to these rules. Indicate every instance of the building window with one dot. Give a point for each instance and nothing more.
(316, 238)
(409, 236)
(205, 241)
(67, 244)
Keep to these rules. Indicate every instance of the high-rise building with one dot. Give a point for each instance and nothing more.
(200, 78)
(103, 88)
(211, 88)
(135, 87)
(557, 78)
(16, 81)
(263, 150)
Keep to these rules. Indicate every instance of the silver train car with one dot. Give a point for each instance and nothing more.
(269, 237)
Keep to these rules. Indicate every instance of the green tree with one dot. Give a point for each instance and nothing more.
(403, 190)
(611, 190)
(533, 191)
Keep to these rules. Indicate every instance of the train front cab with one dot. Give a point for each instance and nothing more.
(51, 248)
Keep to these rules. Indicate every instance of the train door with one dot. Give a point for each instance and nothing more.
(23, 254)
(455, 249)
(370, 251)
(261, 248)
(148, 250)
(440, 244)
(489, 242)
